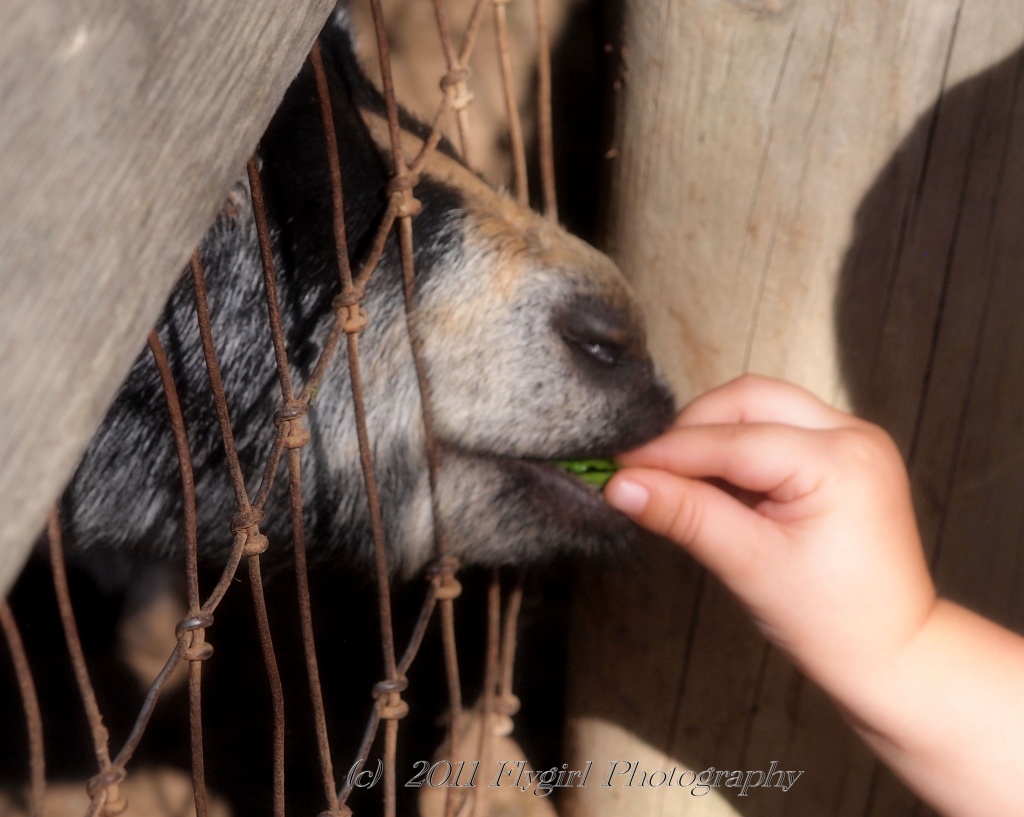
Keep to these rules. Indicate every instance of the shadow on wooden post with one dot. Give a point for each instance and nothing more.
(832, 194)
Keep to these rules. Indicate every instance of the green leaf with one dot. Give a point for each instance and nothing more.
(595, 471)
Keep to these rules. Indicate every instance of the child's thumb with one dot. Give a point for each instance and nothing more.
(713, 525)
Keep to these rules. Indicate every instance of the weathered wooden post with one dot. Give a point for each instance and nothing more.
(122, 125)
(830, 192)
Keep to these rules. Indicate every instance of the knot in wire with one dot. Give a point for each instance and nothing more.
(507, 704)
(460, 73)
(504, 707)
(248, 523)
(289, 420)
(442, 576)
(399, 192)
(106, 783)
(501, 725)
(197, 648)
(388, 695)
(348, 306)
(455, 81)
(354, 319)
(462, 100)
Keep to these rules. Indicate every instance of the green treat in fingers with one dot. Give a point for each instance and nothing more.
(594, 472)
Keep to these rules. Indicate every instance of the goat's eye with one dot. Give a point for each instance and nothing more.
(605, 353)
(599, 333)
(600, 349)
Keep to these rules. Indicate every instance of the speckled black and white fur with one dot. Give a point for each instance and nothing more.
(534, 348)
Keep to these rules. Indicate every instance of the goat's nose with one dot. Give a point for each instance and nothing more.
(600, 332)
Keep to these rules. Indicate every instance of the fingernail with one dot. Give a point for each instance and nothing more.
(628, 497)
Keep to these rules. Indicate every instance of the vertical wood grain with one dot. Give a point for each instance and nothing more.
(830, 192)
(122, 125)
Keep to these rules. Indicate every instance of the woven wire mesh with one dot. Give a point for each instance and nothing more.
(498, 701)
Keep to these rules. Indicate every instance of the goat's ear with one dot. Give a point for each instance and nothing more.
(338, 48)
(295, 154)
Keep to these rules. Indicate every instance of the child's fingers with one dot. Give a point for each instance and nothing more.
(780, 461)
(756, 399)
(719, 530)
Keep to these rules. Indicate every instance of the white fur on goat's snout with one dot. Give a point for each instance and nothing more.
(497, 360)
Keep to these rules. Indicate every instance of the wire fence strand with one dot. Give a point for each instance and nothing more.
(515, 127)
(248, 542)
(33, 714)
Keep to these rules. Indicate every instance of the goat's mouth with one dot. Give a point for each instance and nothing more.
(587, 483)
(566, 490)
(569, 503)
(504, 509)
(594, 472)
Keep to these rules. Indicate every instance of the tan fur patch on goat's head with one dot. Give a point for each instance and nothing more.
(535, 350)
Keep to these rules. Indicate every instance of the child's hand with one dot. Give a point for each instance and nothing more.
(804, 512)
(808, 521)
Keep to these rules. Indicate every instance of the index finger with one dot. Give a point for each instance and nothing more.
(757, 399)
(783, 462)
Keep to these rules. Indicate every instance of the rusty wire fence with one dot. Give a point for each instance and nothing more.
(499, 703)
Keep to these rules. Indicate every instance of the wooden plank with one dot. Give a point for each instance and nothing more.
(123, 124)
(830, 192)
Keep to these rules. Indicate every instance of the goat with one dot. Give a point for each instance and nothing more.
(532, 342)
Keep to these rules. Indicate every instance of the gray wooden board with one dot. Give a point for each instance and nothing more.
(122, 125)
